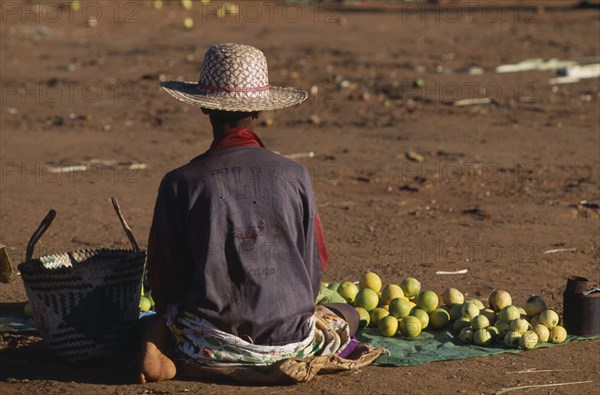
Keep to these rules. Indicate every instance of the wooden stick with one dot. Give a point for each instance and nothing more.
(511, 389)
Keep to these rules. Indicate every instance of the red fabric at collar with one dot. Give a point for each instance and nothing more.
(237, 138)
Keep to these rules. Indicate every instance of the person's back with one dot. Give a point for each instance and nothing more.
(240, 220)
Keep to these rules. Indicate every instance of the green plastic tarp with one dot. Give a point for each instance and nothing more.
(435, 346)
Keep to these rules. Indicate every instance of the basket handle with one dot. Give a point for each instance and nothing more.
(126, 228)
(44, 225)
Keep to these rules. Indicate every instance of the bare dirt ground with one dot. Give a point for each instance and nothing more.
(500, 183)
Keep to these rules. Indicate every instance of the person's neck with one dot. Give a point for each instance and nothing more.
(220, 130)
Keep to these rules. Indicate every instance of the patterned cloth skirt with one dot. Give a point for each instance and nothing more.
(199, 341)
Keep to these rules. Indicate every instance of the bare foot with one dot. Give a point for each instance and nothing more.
(155, 365)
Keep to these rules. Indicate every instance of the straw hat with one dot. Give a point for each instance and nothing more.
(234, 77)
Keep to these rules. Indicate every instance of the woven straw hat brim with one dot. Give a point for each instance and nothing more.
(276, 98)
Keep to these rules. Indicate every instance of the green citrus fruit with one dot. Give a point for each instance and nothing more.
(456, 312)
(367, 299)
(428, 301)
(528, 340)
(422, 316)
(460, 324)
(439, 318)
(482, 337)
(511, 340)
(470, 310)
(466, 335)
(480, 322)
(28, 310)
(520, 325)
(410, 326)
(509, 313)
(410, 287)
(400, 308)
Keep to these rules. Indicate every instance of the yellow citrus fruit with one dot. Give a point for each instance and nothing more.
(511, 340)
(410, 287)
(363, 317)
(499, 299)
(388, 326)
(391, 292)
(145, 304)
(367, 299)
(422, 316)
(370, 280)
(439, 318)
(470, 310)
(480, 322)
(482, 337)
(187, 4)
(400, 308)
(520, 325)
(542, 332)
(549, 318)
(558, 334)
(535, 305)
(377, 314)
(503, 327)
(348, 291)
(528, 340)
(188, 23)
(428, 301)
(410, 326)
(509, 313)
(452, 297)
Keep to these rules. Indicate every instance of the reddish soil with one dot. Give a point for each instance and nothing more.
(500, 183)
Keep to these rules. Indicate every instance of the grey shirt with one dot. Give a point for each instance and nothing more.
(233, 239)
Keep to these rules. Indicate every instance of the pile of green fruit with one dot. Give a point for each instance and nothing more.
(405, 310)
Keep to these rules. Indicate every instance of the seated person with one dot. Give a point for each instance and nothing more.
(236, 250)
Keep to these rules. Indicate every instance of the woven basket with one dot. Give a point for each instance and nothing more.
(85, 302)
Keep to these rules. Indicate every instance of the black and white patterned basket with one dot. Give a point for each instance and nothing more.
(85, 302)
